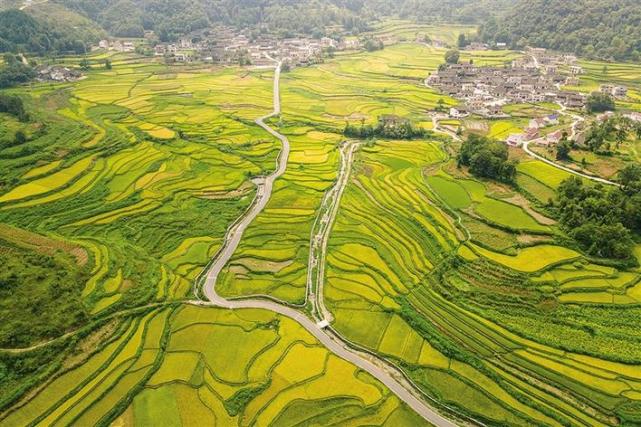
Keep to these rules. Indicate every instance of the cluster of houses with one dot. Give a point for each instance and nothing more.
(483, 90)
(534, 130)
(57, 74)
(225, 45)
(614, 90)
(117, 45)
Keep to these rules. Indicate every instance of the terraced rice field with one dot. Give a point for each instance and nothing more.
(465, 285)
(170, 365)
(138, 167)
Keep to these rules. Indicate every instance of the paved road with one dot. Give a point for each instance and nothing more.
(378, 368)
(436, 126)
(570, 170)
(263, 193)
(577, 120)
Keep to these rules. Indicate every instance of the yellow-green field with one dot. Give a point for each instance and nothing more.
(171, 367)
(130, 177)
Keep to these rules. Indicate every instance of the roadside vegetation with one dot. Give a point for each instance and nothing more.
(603, 220)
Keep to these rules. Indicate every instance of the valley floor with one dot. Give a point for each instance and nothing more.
(449, 299)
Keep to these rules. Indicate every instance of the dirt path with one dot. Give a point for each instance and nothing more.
(321, 231)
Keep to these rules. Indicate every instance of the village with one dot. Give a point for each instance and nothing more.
(227, 46)
(539, 76)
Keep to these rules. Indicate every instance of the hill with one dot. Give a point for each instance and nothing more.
(172, 18)
(58, 25)
(604, 29)
(46, 28)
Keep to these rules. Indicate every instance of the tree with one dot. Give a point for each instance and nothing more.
(13, 105)
(462, 41)
(108, 65)
(452, 56)
(20, 138)
(84, 64)
(599, 102)
(630, 179)
(564, 148)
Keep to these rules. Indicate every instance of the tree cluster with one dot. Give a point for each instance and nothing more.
(602, 220)
(564, 147)
(45, 32)
(452, 56)
(372, 45)
(599, 102)
(15, 72)
(387, 127)
(604, 29)
(487, 158)
(614, 130)
(13, 105)
(170, 19)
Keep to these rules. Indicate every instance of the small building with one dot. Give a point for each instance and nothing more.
(576, 69)
(572, 81)
(552, 119)
(515, 140)
(537, 123)
(634, 116)
(605, 116)
(553, 138)
(327, 42)
(620, 91)
(530, 134)
(458, 112)
(323, 324)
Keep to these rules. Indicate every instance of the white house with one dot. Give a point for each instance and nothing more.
(515, 140)
(458, 112)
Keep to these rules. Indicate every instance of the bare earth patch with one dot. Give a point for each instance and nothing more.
(243, 190)
(523, 203)
(254, 264)
(530, 239)
(42, 244)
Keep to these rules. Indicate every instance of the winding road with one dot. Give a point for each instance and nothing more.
(577, 119)
(380, 369)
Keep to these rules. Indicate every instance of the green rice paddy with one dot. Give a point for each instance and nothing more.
(130, 177)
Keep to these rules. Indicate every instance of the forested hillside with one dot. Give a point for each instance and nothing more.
(171, 18)
(606, 29)
(63, 25)
(47, 28)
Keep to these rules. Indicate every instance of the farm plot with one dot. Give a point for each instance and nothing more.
(272, 258)
(153, 167)
(489, 221)
(171, 365)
